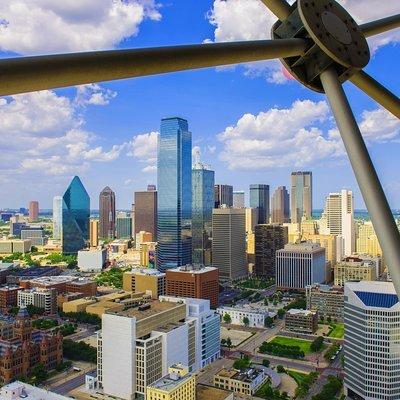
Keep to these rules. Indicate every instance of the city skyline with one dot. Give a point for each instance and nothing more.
(131, 110)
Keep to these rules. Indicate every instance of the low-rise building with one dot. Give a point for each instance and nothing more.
(178, 384)
(240, 315)
(245, 382)
(10, 246)
(42, 298)
(327, 300)
(302, 321)
(6, 328)
(35, 235)
(8, 297)
(205, 392)
(20, 390)
(354, 269)
(144, 280)
(92, 260)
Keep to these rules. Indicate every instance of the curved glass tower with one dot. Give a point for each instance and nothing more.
(75, 217)
(174, 208)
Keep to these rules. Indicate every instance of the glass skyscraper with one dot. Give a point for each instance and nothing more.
(301, 196)
(57, 217)
(259, 198)
(202, 207)
(174, 208)
(75, 217)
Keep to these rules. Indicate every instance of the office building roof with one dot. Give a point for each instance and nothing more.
(19, 390)
(170, 382)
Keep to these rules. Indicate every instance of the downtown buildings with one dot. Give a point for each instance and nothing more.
(223, 196)
(280, 208)
(57, 217)
(301, 196)
(33, 211)
(259, 198)
(174, 165)
(107, 213)
(145, 215)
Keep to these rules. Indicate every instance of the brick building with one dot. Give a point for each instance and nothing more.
(8, 297)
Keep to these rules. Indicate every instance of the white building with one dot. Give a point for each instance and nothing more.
(238, 199)
(136, 346)
(338, 219)
(19, 390)
(256, 316)
(372, 349)
(57, 217)
(92, 260)
(42, 298)
(299, 265)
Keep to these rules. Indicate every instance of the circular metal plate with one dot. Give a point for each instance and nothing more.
(335, 32)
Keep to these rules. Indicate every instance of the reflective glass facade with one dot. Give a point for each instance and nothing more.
(301, 196)
(57, 217)
(259, 198)
(202, 207)
(174, 208)
(75, 217)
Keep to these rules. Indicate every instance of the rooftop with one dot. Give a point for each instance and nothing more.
(296, 311)
(146, 271)
(204, 392)
(169, 382)
(302, 247)
(375, 293)
(18, 390)
(193, 269)
(247, 375)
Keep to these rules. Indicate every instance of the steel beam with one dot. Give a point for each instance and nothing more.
(367, 178)
(279, 7)
(377, 91)
(381, 25)
(27, 74)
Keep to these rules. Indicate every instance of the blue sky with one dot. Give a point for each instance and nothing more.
(106, 133)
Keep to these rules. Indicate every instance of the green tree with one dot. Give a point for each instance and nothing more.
(227, 318)
(242, 363)
(317, 344)
(246, 321)
(329, 319)
(266, 363)
(280, 369)
(79, 351)
(268, 322)
(281, 313)
(228, 343)
(39, 372)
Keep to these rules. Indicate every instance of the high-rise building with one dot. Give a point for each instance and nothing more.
(145, 215)
(338, 219)
(33, 211)
(94, 233)
(75, 217)
(223, 195)
(229, 243)
(280, 212)
(202, 207)
(238, 199)
(328, 242)
(107, 213)
(57, 217)
(251, 219)
(372, 353)
(174, 212)
(259, 198)
(301, 196)
(300, 265)
(123, 226)
(367, 242)
(268, 239)
(146, 280)
(194, 281)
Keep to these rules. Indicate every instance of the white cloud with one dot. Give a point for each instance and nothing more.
(48, 26)
(94, 94)
(144, 148)
(150, 169)
(236, 20)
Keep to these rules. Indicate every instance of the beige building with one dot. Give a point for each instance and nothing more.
(302, 321)
(327, 300)
(309, 226)
(354, 269)
(94, 233)
(179, 384)
(294, 233)
(144, 251)
(251, 247)
(150, 281)
(142, 237)
(251, 219)
(367, 241)
(15, 246)
(328, 242)
(205, 392)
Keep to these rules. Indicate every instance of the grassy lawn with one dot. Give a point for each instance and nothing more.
(287, 341)
(337, 331)
(299, 377)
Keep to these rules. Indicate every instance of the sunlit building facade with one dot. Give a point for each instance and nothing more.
(57, 217)
(301, 196)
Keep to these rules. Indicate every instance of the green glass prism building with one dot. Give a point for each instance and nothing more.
(174, 208)
(202, 207)
(75, 217)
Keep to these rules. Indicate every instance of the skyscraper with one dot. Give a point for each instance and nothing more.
(145, 215)
(259, 198)
(280, 206)
(75, 217)
(223, 195)
(33, 211)
(107, 213)
(238, 199)
(229, 243)
(174, 211)
(372, 352)
(202, 207)
(123, 225)
(301, 196)
(268, 239)
(338, 219)
(94, 233)
(57, 217)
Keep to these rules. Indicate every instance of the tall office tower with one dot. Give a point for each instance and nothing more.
(259, 198)
(223, 195)
(138, 345)
(268, 239)
(145, 215)
(33, 211)
(94, 233)
(338, 219)
(372, 351)
(229, 243)
(174, 211)
(301, 196)
(202, 207)
(300, 265)
(123, 225)
(238, 199)
(251, 219)
(75, 217)
(107, 213)
(367, 241)
(280, 212)
(57, 217)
